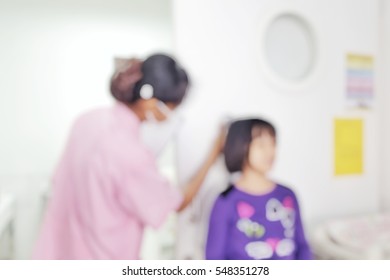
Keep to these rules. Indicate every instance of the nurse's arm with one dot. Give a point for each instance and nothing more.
(193, 186)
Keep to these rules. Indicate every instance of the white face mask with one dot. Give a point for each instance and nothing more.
(156, 135)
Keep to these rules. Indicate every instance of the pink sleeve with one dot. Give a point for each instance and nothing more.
(146, 193)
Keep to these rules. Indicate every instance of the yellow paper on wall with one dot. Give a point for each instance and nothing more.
(360, 62)
(348, 146)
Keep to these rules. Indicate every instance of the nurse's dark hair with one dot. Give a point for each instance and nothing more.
(238, 139)
(168, 79)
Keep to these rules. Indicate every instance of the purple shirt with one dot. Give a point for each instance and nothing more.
(246, 226)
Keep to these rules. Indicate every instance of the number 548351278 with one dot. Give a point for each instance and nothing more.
(232, 270)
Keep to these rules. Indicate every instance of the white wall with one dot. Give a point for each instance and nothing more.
(56, 59)
(219, 42)
(385, 40)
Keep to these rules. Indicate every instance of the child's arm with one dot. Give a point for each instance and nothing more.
(218, 231)
(303, 250)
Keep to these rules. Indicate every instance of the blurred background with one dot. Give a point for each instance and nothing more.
(316, 69)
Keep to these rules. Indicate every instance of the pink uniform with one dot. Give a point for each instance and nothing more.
(106, 189)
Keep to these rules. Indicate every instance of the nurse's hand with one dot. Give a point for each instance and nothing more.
(193, 186)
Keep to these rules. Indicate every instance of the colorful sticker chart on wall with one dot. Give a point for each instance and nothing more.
(359, 81)
(348, 154)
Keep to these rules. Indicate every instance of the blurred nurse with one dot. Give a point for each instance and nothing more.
(107, 188)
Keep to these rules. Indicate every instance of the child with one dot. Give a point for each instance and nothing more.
(255, 218)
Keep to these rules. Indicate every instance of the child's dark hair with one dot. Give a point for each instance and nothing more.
(168, 79)
(240, 135)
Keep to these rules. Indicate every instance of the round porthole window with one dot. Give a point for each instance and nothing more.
(289, 48)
